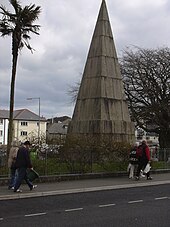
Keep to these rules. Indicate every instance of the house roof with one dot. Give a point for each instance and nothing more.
(22, 114)
(57, 128)
(4, 114)
(67, 121)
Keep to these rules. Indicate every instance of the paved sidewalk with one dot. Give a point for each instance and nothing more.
(78, 186)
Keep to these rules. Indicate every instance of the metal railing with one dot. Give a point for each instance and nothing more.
(49, 161)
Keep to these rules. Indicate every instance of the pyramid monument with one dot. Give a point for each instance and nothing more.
(101, 109)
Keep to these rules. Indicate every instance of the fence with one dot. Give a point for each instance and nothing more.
(160, 154)
(50, 161)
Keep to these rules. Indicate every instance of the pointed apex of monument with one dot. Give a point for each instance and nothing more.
(101, 44)
(103, 14)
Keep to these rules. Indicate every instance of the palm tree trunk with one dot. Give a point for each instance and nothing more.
(12, 92)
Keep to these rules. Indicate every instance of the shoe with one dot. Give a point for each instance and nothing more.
(10, 188)
(34, 186)
(136, 178)
(18, 190)
(142, 173)
(149, 178)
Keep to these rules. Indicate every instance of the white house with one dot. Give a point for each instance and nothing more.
(151, 137)
(26, 126)
(3, 126)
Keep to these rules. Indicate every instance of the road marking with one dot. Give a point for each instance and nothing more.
(37, 214)
(1, 219)
(107, 205)
(75, 209)
(161, 198)
(136, 201)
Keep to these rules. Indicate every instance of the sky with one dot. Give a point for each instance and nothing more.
(61, 48)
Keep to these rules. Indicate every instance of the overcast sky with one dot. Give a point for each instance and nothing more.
(61, 48)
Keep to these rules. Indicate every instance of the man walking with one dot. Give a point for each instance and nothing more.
(22, 163)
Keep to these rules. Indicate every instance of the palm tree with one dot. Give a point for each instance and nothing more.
(18, 25)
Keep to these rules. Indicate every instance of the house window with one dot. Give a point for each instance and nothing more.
(1, 133)
(23, 133)
(1, 121)
(24, 123)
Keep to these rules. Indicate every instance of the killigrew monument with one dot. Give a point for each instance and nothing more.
(101, 110)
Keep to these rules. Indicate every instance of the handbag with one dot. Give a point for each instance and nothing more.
(147, 168)
(32, 174)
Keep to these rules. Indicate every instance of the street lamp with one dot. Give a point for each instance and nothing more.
(39, 117)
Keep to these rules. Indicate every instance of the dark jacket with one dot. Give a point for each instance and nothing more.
(23, 158)
(133, 156)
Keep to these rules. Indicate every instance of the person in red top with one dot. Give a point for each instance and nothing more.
(143, 154)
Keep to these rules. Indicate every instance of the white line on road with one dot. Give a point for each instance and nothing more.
(136, 201)
(107, 205)
(37, 214)
(75, 209)
(161, 198)
(1, 219)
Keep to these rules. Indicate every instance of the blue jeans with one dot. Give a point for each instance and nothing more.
(22, 175)
(13, 175)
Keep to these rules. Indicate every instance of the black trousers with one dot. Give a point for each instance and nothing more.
(141, 166)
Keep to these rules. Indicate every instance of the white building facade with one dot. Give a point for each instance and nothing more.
(3, 131)
(26, 126)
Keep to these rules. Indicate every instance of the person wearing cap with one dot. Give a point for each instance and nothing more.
(22, 163)
(143, 154)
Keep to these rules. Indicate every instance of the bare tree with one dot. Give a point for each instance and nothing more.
(73, 91)
(146, 74)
